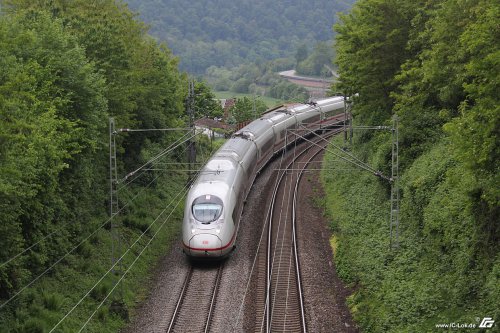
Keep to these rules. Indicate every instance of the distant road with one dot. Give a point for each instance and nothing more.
(316, 86)
(291, 74)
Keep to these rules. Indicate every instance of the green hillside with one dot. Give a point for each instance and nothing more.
(436, 65)
(65, 68)
(226, 33)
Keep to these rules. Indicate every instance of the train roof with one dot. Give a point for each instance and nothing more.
(236, 148)
(216, 187)
(331, 101)
(254, 129)
(218, 170)
(276, 116)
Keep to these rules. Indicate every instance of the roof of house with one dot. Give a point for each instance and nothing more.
(210, 123)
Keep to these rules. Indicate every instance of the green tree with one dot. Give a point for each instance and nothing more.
(371, 46)
(205, 104)
(249, 29)
(447, 77)
(51, 104)
(475, 132)
(245, 109)
(301, 54)
(66, 67)
(316, 64)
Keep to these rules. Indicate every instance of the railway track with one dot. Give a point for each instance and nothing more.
(195, 305)
(280, 301)
(280, 304)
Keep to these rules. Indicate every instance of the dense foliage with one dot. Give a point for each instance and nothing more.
(318, 63)
(257, 79)
(436, 65)
(65, 67)
(228, 33)
(245, 109)
(205, 103)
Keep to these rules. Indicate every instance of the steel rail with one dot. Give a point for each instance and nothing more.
(269, 239)
(214, 293)
(295, 246)
(180, 299)
(184, 296)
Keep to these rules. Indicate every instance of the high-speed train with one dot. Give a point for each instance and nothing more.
(215, 200)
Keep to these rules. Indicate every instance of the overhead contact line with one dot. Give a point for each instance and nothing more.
(161, 154)
(73, 249)
(184, 190)
(354, 160)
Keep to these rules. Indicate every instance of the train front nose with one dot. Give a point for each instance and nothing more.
(205, 245)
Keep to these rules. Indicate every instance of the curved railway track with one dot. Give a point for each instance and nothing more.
(233, 298)
(280, 301)
(195, 305)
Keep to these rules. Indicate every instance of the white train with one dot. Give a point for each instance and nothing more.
(215, 200)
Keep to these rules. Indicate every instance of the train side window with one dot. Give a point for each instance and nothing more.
(267, 146)
(313, 119)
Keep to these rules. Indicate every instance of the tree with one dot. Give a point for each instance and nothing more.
(301, 54)
(246, 109)
(475, 131)
(51, 106)
(371, 46)
(445, 76)
(65, 68)
(205, 104)
(316, 63)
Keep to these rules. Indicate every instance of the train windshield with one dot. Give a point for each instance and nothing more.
(207, 209)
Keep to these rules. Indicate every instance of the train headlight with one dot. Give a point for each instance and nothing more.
(193, 230)
(217, 230)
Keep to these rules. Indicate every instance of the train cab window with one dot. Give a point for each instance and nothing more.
(207, 208)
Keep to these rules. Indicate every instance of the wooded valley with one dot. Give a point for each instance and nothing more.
(67, 66)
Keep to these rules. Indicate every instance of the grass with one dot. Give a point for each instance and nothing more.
(440, 273)
(334, 244)
(270, 102)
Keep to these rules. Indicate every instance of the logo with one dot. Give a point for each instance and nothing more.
(487, 322)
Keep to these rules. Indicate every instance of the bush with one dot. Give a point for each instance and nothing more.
(34, 325)
(133, 222)
(52, 301)
(101, 291)
(444, 269)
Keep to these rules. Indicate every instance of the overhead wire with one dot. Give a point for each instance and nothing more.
(354, 160)
(143, 172)
(347, 153)
(30, 247)
(57, 230)
(183, 192)
(121, 258)
(125, 273)
(167, 150)
(257, 251)
(73, 249)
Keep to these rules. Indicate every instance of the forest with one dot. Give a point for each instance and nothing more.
(436, 66)
(228, 33)
(240, 46)
(66, 67)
